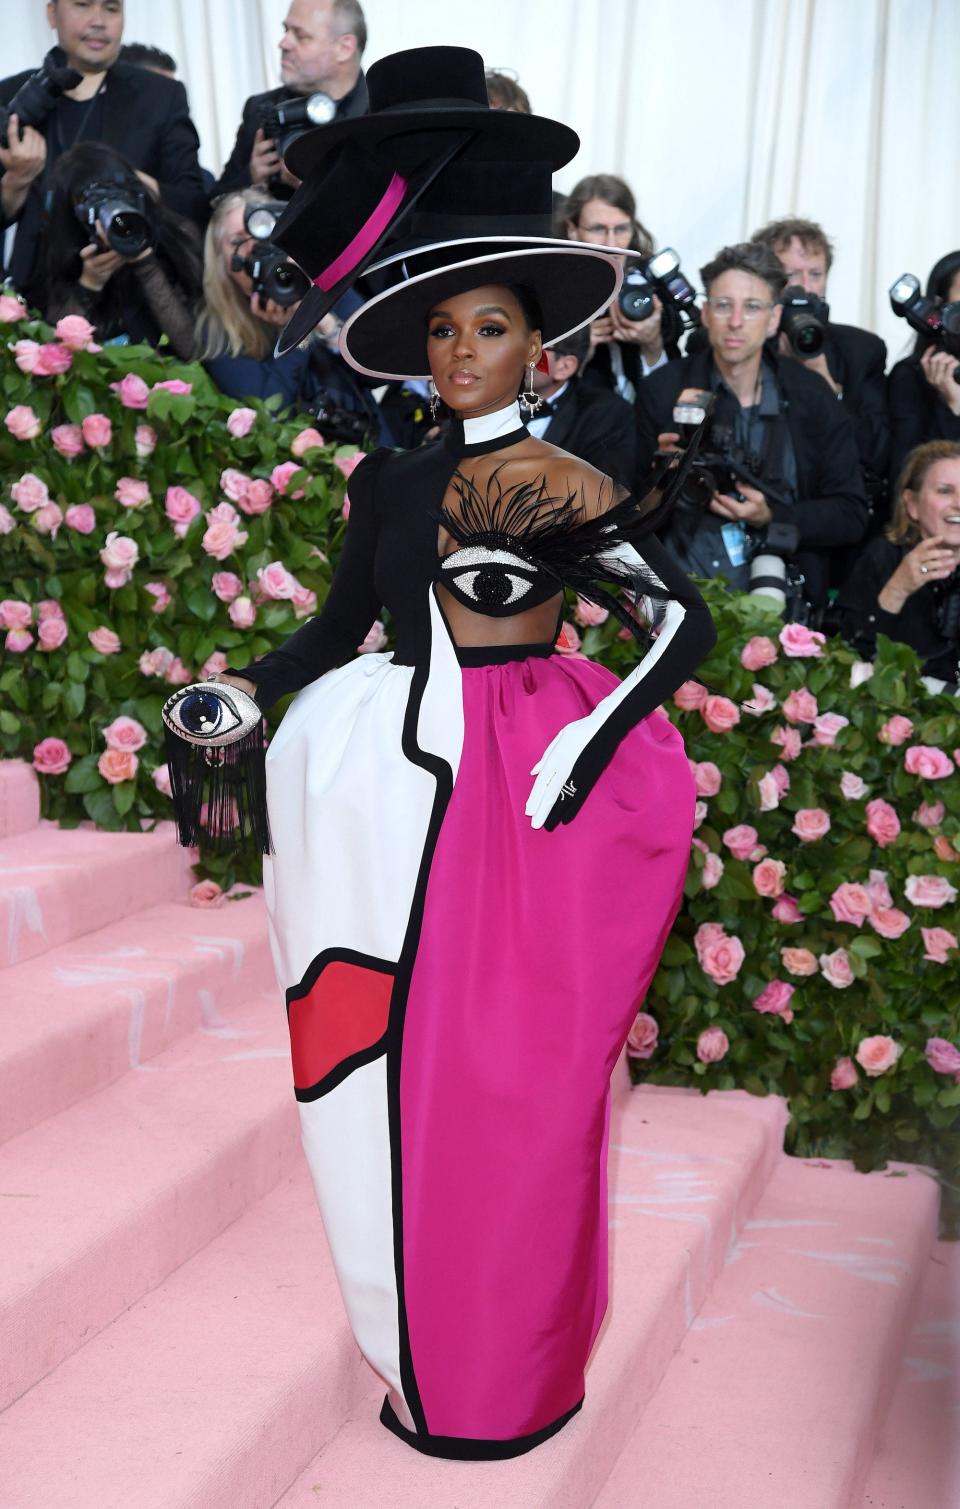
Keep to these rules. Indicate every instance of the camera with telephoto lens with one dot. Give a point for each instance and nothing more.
(39, 93)
(115, 215)
(660, 274)
(713, 469)
(804, 320)
(342, 425)
(928, 316)
(269, 269)
(283, 121)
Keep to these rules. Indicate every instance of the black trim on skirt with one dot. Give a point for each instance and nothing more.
(468, 1449)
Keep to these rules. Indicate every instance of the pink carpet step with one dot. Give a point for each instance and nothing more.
(74, 1019)
(19, 798)
(686, 1171)
(774, 1398)
(104, 1200)
(215, 1390)
(57, 884)
(917, 1462)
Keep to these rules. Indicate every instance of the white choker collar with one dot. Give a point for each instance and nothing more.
(491, 426)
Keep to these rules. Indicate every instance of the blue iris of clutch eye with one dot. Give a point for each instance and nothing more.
(207, 715)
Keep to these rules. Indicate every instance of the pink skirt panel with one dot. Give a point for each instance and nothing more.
(535, 953)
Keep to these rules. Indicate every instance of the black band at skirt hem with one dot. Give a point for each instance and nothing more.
(468, 1449)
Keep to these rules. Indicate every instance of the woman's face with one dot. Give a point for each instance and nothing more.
(602, 224)
(478, 344)
(235, 238)
(953, 292)
(935, 507)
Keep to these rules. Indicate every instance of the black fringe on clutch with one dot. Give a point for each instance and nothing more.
(230, 781)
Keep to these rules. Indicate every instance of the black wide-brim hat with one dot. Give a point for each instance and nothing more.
(387, 336)
(429, 116)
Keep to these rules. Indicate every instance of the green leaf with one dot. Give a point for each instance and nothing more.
(99, 806)
(124, 796)
(202, 603)
(74, 698)
(76, 667)
(83, 775)
(676, 952)
(9, 724)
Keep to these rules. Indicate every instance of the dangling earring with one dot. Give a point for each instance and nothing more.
(434, 400)
(531, 400)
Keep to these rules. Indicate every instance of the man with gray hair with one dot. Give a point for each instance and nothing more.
(320, 53)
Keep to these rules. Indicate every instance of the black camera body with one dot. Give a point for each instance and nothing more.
(804, 320)
(342, 425)
(39, 93)
(283, 121)
(115, 215)
(930, 317)
(269, 269)
(660, 274)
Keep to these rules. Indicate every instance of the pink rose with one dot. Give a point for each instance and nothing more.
(762, 701)
(132, 391)
(944, 850)
(768, 792)
(930, 814)
(345, 510)
(929, 890)
(29, 493)
(177, 674)
(75, 332)
(23, 423)
(758, 653)
(878, 890)
(15, 613)
(68, 440)
(860, 672)
(712, 1045)
(242, 613)
(214, 664)
(719, 954)
(7, 522)
(18, 641)
(11, 309)
(568, 640)
(181, 508)
(226, 585)
(800, 707)
(276, 582)
(206, 893)
(131, 493)
(836, 969)
(811, 824)
(852, 787)
(769, 876)
(145, 440)
(222, 536)
(774, 997)
(47, 520)
(51, 757)
(844, 1075)
(851, 903)
(706, 777)
(257, 498)
(786, 910)
(942, 1055)
(883, 824)
(161, 595)
(97, 431)
(799, 642)
(720, 714)
(876, 1055)
(161, 779)
(119, 555)
(741, 841)
(81, 517)
(798, 961)
(788, 741)
(117, 765)
(125, 733)
(927, 761)
(349, 464)
(53, 359)
(781, 775)
(712, 872)
(104, 641)
(895, 731)
(173, 385)
(155, 662)
(48, 607)
(589, 615)
(642, 1041)
(889, 922)
(304, 601)
(375, 641)
(51, 634)
(700, 811)
(826, 727)
(26, 354)
(240, 422)
(281, 475)
(305, 441)
(234, 484)
(689, 696)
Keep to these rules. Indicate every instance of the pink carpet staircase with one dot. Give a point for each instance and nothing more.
(784, 1334)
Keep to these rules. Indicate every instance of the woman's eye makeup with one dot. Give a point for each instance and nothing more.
(488, 328)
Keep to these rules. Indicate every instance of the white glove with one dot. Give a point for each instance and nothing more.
(553, 786)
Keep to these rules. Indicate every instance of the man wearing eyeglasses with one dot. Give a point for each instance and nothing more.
(777, 418)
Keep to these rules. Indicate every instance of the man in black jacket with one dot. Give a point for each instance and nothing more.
(320, 52)
(777, 418)
(140, 114)
(590, 422)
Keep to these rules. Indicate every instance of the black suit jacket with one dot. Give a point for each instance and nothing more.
(917, 413)
(146, 118)
(597, 426)
(831, 510)
(236, 174)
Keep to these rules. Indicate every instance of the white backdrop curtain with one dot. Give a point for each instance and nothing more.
(720, 116)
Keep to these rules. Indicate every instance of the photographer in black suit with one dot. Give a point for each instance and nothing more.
(140, 114)
(775, 419)
(320, 52)
(589, 422)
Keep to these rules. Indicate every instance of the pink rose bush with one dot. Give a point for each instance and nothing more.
(642, 1041)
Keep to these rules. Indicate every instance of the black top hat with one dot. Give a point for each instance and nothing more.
(363, 176)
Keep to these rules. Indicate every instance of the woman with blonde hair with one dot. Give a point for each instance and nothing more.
(906, 584)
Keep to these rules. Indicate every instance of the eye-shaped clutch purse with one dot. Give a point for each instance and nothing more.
(216, 755)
